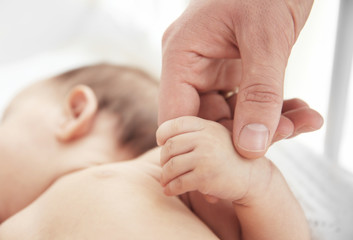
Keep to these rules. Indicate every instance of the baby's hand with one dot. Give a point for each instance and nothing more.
(198, 155)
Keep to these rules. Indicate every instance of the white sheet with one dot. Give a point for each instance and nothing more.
(324, 190)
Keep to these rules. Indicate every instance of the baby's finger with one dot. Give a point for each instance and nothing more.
(177, 145)
(176, 167)
(184, 183)
(178, 126)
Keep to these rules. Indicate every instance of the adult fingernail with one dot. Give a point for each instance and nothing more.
(253, 137)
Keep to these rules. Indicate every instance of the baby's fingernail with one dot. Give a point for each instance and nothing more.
(253, 137)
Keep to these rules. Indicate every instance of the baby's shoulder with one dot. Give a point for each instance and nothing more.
(115, 201)
(140, 172)
(82, 200)
(130, 172)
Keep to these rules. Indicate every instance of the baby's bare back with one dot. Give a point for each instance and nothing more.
(115, 201)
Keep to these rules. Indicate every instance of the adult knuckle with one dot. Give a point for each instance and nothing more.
(260, 93)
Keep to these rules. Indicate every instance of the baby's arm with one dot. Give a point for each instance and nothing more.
(198, 155)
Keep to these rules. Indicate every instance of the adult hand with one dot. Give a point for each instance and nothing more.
(218, 46)
(296, 115)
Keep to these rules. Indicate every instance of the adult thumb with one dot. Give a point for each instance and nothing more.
(258, 109)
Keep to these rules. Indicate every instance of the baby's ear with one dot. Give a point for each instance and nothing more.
(79, 111)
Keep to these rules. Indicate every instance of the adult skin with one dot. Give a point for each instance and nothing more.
(221, 46)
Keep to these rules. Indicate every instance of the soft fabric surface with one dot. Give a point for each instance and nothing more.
(324, 190)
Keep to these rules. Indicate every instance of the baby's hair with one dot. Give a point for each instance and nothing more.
(125, 92)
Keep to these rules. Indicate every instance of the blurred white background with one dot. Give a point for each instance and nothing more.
(40, 38)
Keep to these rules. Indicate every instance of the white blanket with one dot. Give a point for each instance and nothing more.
(324, 190)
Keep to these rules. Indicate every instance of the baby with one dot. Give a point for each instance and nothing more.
(74, 164)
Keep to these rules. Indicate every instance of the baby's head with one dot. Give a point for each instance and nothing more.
(85, 117)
